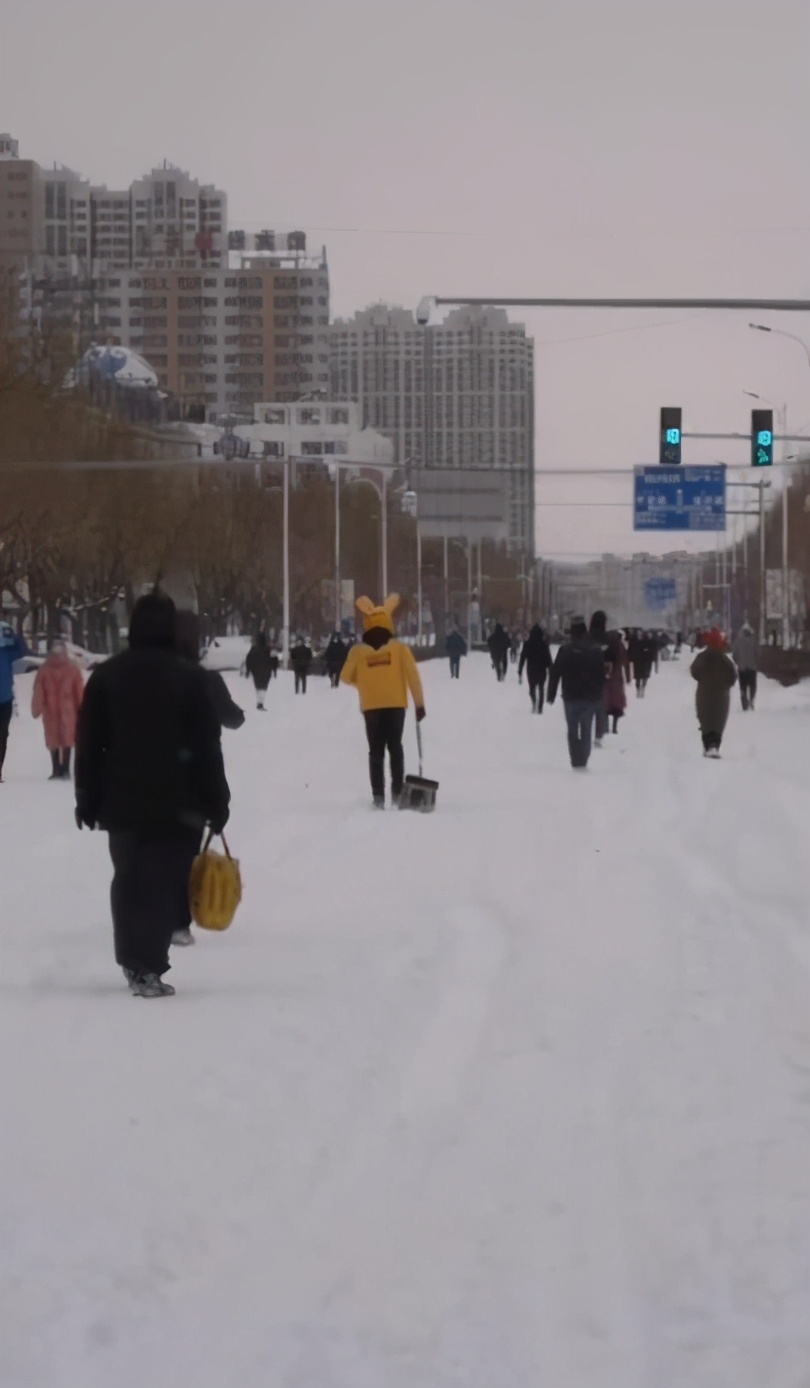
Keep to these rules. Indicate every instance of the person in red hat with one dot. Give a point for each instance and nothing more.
(716, 676)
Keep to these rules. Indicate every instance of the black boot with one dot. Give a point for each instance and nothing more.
(56, 773)
(66, 763)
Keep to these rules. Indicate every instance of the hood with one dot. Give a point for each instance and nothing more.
(152, 624)
(378, 616)
(715, 640)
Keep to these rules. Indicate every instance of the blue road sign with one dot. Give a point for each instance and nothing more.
(680, 498)
(659, 594)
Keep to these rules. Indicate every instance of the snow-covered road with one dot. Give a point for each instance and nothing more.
(516, 1095)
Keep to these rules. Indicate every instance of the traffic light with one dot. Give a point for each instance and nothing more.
(669, 451)
(762, 438)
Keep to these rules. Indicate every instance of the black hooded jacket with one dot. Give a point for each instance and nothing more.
(580, 668)
(148, 750)
(535, 656)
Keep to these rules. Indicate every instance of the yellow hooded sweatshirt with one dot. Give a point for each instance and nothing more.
(383, 676)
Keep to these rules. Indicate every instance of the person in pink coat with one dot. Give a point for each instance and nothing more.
(57, 698)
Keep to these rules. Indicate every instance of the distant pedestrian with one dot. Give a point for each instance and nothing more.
(598, 633)
(456, 648)
(499, 646)
(535, 659)
(56, 699)
(383, 671)
(580, 668)
(335, 658)
(716, 676)
(12, 649)
(301, 659)
(746, 655)
(259, 665)
(617, 667)
(149, 771)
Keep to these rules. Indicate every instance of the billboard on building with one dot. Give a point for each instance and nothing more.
(463, 502)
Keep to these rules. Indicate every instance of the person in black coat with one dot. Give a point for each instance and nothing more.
(580, 668)
(456, 648)
(187, 629)
(149, 771)
(535, 659)
(259, 665)
(229, 715)
(499, 644)
(335, 658)
(301, 659)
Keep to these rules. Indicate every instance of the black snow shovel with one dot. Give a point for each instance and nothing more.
(418, 793)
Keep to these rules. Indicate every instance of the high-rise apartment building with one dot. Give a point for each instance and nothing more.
(460, 394)
(226, 319)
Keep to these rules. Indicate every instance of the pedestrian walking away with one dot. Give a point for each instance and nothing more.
(499, 645)
(149, 771)
(301, 659)
(56, 699)
(229, 715)
(746, 656)
(580, 669)
(714, 672)
(617, 674)
(384, 672)
(259, 665)
(599, 634)
(535, 659)
(12, 649)
(456, 648)
(335, 658)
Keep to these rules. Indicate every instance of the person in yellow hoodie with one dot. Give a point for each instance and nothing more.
(383, 671)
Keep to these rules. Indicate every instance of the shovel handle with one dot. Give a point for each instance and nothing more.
(419, 745)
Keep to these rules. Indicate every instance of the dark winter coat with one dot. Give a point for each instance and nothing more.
(259, 664)
(614, 695)
(229, 714)
(499, 643)
(335, 655)
(746, 649)
(455, 645)
(148, 751)
(716, 677)
(535, 657)
(300, 658)
(580, 668)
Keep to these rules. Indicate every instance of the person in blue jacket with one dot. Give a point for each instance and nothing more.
(12, 648)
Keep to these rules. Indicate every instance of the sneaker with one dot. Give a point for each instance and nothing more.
(378, 803)
(597, 742)
(183, 937)
(130, 976)
(150, 986)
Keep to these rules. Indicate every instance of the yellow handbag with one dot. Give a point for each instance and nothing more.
(215, 887)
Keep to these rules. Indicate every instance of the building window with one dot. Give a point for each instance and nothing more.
(309, 416)
(339, 415)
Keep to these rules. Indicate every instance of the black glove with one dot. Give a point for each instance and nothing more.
(219, 820)
(83, 817)
(420, 714)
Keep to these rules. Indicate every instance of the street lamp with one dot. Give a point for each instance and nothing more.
(780, 332)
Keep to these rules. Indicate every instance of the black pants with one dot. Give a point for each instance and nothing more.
(748, 687)
(537, 690)
(384, 729)
(455, 666)
(334, 678)
(5, 721)
(580, 715)
(711, 740)
(501, 663)
(300, 681)
(149, 895)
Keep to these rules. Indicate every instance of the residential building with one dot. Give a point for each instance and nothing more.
(226, 319)
(457, 395)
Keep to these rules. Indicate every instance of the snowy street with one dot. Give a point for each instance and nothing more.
(516, 1095)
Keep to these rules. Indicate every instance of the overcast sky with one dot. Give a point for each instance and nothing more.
(524, 147)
